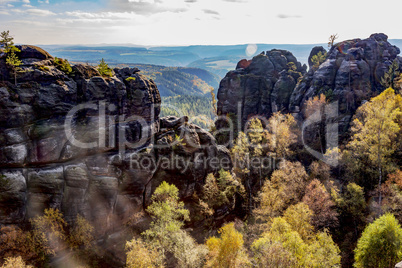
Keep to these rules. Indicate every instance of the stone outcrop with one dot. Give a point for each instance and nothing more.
(350, 74)
(41, 165)
(91, 145)
(261, 86)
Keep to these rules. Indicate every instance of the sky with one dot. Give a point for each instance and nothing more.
(196, 22)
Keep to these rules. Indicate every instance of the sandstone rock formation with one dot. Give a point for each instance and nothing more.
(260, 87)
(69, 141)
(350, 74)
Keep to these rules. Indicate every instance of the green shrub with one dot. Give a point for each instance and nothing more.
(63, 65)
(128, 79)
(104, 69)
(380, 244)
(43, 68)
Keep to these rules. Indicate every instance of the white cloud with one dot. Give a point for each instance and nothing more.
(3, 2)
(142, 1)
(181, 22)
(40, 12)
(33, 11)
(26, 1)
(102, 15)
(27, 6)
(43, 1)
(17, 10)
(147, 6)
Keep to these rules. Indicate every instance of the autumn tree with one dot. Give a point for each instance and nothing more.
(227, 251)
(165, 233)
(81, 234)
(16, 242)
(352, 205)
(15, 262)
(280, 134)
(352, 209)
(186, 250)
(380, 244)
(286, 187)
(314, 110)
(168, 215)
(319, 201)
(312, 250)
(272, 254)
(321, 171)
(256, 135)
(313, 105)
(375, 128)
(49, 232)
(213, 102)
(392, 195)
(299, 217)
(241, 155)
(222, 190)
(141, 255)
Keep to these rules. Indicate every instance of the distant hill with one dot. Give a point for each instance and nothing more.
(172, 81)
(216, 59)
(197, 108)
(122, 54)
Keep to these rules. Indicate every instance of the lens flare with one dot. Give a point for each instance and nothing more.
(251, 50)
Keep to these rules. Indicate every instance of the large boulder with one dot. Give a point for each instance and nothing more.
(34, 52)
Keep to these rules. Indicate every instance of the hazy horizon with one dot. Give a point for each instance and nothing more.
(192, 22)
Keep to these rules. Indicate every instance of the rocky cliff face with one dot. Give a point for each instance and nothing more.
(351, 73)
(69, 141)
(261, 86)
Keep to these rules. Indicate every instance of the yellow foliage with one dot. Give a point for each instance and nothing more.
(285, 188)
(48, 232)
(375, 131)
(139, 255)
(226, 251)
(81, 234)
(15, 262)
(15, 242)
(299, 218)
(314, 105)
(280, 134)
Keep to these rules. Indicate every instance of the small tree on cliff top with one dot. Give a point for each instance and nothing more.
(7, 42)
(104, 69)
(12, 60)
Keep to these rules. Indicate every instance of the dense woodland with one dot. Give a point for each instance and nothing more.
(199, 109)
(172, 81)
(312, 215)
